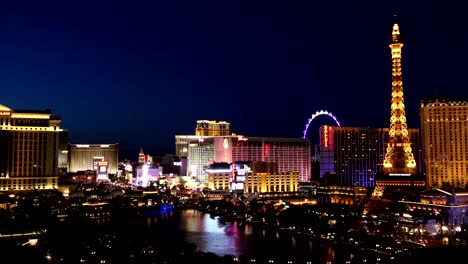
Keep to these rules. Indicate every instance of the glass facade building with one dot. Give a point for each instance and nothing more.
(356, 154)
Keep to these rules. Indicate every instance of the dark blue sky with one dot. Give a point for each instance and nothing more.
(140, 72)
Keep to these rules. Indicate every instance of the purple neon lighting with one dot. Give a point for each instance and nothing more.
(318, 113)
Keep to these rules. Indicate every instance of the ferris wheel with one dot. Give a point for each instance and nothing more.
(319, 113)
(316, 156)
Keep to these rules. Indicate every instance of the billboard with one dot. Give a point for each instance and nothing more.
(237, 186)
(102, 170)
(239, 170)
(238, 175)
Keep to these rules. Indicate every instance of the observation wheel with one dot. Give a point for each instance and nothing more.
(319, 113)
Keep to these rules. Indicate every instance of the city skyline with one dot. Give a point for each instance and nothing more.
(141, 74)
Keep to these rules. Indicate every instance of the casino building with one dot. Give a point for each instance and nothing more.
(444, 128)
(203, 128)
(257, 178)
(214, 142)
(30, 143)
(290, 154)
(82, 157)
(355, 154)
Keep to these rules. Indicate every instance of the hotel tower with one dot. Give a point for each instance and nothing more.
(444, 128)
(355, 154)
(204, 128)
(399, 165)
(30, 143)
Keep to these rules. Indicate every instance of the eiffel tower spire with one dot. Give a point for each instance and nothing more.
(399, 155)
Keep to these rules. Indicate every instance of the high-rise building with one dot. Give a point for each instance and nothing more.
(444, 128)
(212, 128)
(214, 142)
(355, 154)
(291, 154)
(182, 144)
(30, 143)
(399, 164)
(82, 157)
(202, 152)
(203, 128)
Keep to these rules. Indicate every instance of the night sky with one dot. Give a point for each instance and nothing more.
(141, 72)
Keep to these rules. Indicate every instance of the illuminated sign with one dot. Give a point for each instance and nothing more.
(238, 172)
(102, 170)
(240, 178)
(325, 137)
(237, 186)
(399, 174)
(242, 169)
(266, 150)
(101, 166)
(5, 113)
(218, 170)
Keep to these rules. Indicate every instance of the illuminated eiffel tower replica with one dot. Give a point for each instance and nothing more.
(399, 166)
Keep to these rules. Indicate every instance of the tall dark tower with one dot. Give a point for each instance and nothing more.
(399, 165)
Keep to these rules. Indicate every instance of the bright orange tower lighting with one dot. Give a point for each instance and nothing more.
(399, 156)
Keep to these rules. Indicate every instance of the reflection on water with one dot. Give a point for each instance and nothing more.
(208, 234)
(212, 234)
